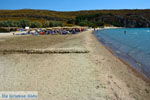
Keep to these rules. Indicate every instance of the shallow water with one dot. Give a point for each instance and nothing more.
(131, 44)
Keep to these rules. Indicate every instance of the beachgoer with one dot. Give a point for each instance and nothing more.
(125, 32)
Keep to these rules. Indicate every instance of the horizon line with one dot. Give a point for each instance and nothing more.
(78, 10)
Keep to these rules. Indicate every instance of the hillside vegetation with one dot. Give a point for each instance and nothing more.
(93, 18)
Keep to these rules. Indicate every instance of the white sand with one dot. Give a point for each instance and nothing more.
(97, 75)
(5, 35)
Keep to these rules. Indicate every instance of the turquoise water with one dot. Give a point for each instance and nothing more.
(130, 44)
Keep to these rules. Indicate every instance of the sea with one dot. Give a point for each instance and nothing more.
(132, 45)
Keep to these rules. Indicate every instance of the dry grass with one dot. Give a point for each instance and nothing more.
(40, 45)
(45, 51)
(32, 42)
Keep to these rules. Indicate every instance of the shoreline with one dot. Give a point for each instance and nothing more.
(130, 70)
(136, 72)
(125, 59)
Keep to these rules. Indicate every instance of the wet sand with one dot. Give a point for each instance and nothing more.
(97, 75)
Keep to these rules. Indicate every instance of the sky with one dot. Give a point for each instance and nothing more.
(74, 5)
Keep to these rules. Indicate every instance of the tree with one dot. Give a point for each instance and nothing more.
(35, 25)
(24, 23)
(46, 24)
(56, 23)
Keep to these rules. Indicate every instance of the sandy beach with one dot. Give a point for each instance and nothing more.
(97, 75)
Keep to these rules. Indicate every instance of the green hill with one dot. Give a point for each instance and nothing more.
(123, 18)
